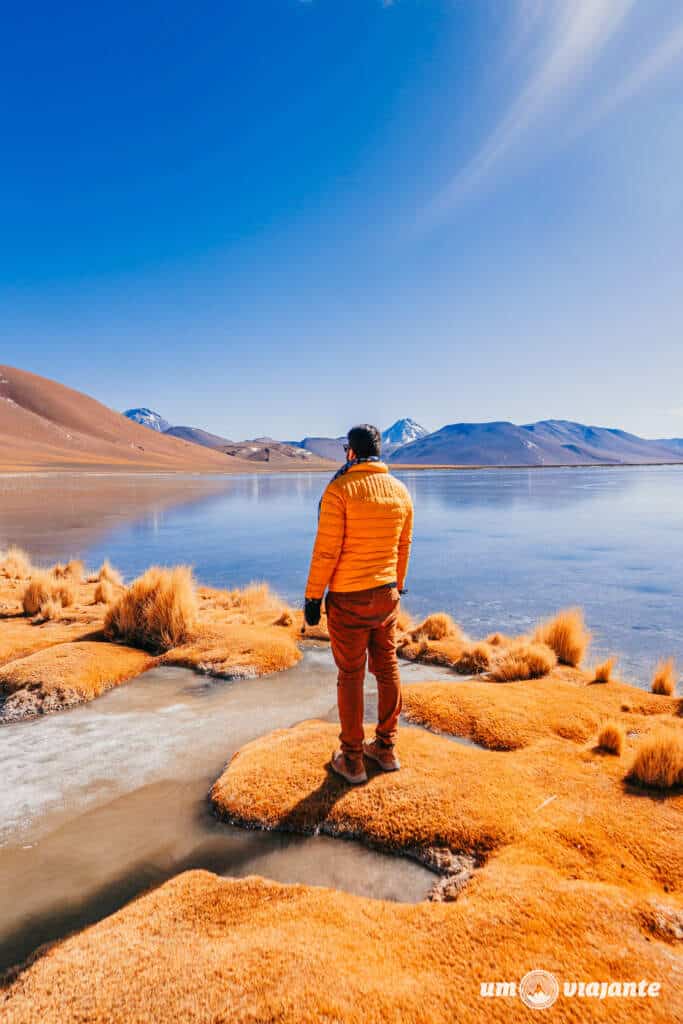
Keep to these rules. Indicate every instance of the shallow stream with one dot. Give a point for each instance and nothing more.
(101, 802)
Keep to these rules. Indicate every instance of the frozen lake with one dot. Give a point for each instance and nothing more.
(496, 548)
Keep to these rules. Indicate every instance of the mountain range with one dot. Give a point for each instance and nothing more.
(44, 424)
(500, 443)
(545, 443)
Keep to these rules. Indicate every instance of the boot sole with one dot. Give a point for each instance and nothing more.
(384, 767)
(353, 780)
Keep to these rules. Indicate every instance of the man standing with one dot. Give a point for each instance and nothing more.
(361, 553)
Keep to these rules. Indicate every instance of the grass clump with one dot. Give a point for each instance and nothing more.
(611, 738)
(49, 611)
(474, 660)
(15, 564)
(524, 660)
(107, 572)
(566, 633)
(44, 587)
(664, 679)
(404, 622)
(156, 612)
(438, 626)
(602, 673)
(73, 570)
(659, 761)
(104, 593)
(499, 640)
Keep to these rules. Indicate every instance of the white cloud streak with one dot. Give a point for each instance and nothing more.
(574, 36)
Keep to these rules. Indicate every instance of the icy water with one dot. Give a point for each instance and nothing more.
(101, 802)
(496, 548)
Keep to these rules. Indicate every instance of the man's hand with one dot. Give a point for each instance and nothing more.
(312, 610)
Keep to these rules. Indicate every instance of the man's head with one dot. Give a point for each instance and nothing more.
(364, 441)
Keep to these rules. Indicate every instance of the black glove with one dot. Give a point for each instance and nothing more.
(312, 610)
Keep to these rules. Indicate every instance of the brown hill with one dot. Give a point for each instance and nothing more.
(45, 425)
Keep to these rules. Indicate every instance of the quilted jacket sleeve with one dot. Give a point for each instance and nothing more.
(405, 540)
(328, 542)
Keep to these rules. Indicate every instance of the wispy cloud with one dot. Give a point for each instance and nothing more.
(570, 38)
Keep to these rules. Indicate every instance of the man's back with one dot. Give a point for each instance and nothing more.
(364, 534)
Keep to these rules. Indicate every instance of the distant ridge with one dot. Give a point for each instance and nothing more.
(46, 424)
(548, 442)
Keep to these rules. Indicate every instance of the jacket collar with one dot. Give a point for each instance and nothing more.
(369, 467)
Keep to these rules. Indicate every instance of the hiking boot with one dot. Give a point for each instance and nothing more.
(352, 771)
(381, 755)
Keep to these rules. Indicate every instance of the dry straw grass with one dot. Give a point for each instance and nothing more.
(49, 611)
(73, 570)
(104, 593)
(664, 679)
(158, 611)
(107, 572)
(15, 564)
(566, 633)
(611, 738)
(438, 626)
(404, 622)
(659, 761)
(602, 673)
(474, 660)
(523, 660)
(43, 588)
(499, 639)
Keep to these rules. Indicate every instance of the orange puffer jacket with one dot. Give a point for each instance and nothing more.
(364, 532)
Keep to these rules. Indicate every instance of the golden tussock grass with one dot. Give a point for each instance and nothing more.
(523, 660)
(659, 760)
(49, 611)
(664, 680)
(15, 564)
(611, 737)
(475, 659)
(523, 712)
(156, 612)
(104, 592)
(602, 673)
(44, 587)
(498, 805)
(285, 618)
(238, 650)
(404, 622)
(255, 599)
(107, 572)
(438, 626)
(87, 668)
(201, 948)
(73, 570)
(566, 633)
(499, 639)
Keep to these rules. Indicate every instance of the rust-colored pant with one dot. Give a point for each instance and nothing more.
(360, 623)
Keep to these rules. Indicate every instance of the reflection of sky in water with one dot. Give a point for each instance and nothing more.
(496, 548)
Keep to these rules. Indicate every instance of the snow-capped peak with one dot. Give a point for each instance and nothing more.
(403, 431)
(148, 418)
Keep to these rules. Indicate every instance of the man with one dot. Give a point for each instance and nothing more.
(361, 553)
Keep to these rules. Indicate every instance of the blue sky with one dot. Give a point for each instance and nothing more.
(283, 217)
